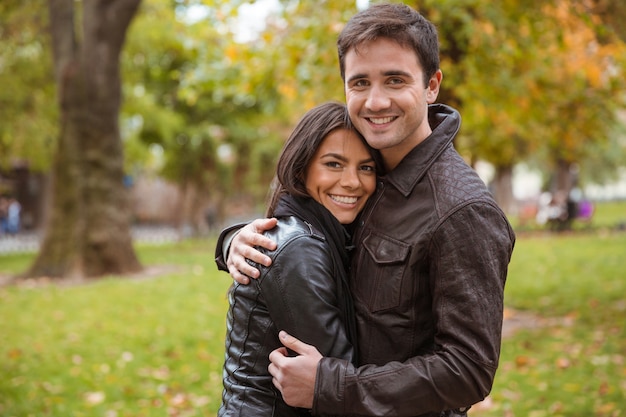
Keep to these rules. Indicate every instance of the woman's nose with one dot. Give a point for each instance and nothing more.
(350, 179)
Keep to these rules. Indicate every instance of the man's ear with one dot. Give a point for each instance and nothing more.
(433, 87)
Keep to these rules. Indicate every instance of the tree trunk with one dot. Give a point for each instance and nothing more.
(503, 189)
(88, 232)
(193, 209)
(563, 177)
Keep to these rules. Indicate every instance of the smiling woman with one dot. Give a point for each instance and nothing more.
(341, 175)
(325, 175)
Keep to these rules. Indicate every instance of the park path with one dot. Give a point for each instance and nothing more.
(28, 242)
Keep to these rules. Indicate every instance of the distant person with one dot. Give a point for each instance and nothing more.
(431, 250)
(13, 216)
(585, 210)
(210, 217)
(4, 213)
(325, 174)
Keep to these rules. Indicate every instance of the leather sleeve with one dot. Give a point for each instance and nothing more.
(469, 257)
(301, 296)
(223, 245)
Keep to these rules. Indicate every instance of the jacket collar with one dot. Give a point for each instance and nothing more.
(445, 123)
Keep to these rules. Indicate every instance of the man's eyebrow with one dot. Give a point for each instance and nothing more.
(389, 73)
(356, 77)
(398, 72)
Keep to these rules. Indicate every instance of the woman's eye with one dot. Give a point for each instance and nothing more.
(333, 164)
(369, 168)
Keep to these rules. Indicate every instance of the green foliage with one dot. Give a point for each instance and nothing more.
(536, 82)
(301, 47)
(192, 95)
(28, 116)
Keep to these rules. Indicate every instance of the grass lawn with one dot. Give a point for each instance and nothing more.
(145, 346)
(570, 360)
(152, 345)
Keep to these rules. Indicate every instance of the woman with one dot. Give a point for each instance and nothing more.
(325, 174)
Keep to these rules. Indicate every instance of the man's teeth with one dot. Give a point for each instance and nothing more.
(344, 200)
(381, 120)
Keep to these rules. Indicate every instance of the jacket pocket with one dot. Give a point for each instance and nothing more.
(384, 269)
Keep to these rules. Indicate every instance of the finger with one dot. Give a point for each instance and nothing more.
(252, 254)
(237, 265)
(253, 233)
(246, 242)
(238, 276)
(277, 354)
(244, 247)
(275, 373)
(239, 269)
(274, 370)
(277, 384)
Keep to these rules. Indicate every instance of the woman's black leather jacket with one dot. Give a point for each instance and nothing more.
(297, 293)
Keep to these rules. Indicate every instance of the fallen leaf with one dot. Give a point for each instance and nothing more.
(95, 397)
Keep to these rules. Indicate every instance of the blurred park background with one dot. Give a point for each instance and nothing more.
(131, 131)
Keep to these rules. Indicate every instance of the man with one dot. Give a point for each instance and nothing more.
(431, 248)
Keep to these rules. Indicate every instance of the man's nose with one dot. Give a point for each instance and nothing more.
(377, 99)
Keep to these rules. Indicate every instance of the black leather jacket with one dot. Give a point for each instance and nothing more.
(428, 279)
(297, 293)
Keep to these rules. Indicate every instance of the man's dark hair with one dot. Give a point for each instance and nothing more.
(396, 22)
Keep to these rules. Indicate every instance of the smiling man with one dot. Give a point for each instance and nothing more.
(432, 247)
(388, 93)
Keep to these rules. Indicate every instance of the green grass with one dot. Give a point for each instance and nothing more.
(116, 347)
(572, 361)
(154, 346)
(610, 214)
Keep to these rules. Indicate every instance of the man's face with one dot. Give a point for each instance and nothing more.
(386, 97)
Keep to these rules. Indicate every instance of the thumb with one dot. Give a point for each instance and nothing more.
(294, 344)
(262, 225)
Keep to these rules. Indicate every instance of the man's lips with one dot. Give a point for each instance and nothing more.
(380, 120)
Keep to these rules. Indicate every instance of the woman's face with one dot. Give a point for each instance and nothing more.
(341, 175)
